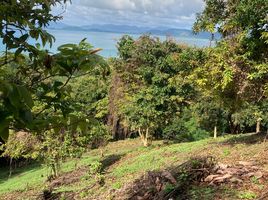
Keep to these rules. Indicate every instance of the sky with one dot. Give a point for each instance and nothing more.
(146, 13)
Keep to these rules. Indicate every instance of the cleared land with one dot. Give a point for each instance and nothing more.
(126, 163)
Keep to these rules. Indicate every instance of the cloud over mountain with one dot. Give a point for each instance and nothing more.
(174, 13)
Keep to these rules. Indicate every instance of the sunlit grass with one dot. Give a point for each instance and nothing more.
(133, 161)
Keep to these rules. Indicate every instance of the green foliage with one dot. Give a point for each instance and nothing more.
(50, 106)
(247, 195)
(47, 83)
(202, 192)
(95, 170)
(185, 128)
(22, 20)
(35, 88)
(21, 145)
(156, 82)
(117, 185)
(38, 91)
(158, 89)
(125, 47)
(235, 70)
(210, 17)
(98, 135)
(169, 187)
(232, 16)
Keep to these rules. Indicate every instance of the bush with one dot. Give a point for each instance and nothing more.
(185, 128)
(21, 145)
(95, 171)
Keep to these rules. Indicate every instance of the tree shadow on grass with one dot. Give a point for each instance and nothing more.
(252, 138)
(4, 171)
(75, 176)
(110, 160)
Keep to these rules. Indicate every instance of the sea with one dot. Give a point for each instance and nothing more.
(107, 41)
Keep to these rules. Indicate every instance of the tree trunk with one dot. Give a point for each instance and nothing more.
(215, 132)
(141, 135)
(10, 167)
(258, 125)
(119, 131)
(145, 137)
(234, 128)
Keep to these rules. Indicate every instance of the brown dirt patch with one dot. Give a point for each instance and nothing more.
(68, 178)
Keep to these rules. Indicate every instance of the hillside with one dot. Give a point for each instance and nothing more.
(129, 112)
(126, 29)
(126, 163)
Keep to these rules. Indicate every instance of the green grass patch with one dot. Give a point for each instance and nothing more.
(127, 160)
(33, 176)
(22, 179)
(247, 195)
(155, 158)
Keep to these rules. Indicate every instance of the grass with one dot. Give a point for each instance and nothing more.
(23, 179)
(212, 192)
(127, 160)
(34, 176)
(155, 158)
(247, 195)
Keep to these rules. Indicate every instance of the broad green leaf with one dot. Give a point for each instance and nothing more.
(26, 95)
(26, 116)
(18, 51)
(14, 97)
(24, 37)
(66, 46)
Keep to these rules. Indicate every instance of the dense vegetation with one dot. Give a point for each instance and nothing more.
(57, 106)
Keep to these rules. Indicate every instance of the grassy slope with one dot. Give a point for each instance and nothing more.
(127, 160)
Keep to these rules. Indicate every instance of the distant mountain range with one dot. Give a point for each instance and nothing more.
(125, 29)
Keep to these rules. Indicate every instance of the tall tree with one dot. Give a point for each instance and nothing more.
(236, 70)
(154, 83)
(34, 86)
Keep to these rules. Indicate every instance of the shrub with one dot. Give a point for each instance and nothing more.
(185, 128)
(21, 145)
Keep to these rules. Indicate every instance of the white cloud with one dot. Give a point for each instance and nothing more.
(176, 13)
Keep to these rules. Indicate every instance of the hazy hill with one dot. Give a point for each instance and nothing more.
(126, 29)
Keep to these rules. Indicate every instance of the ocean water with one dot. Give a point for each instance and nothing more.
(106, 41)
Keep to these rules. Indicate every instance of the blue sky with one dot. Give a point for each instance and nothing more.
(152, 13)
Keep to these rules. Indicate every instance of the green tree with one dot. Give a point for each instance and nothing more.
(22, 20)
(34, 89)
(235, 71)
(154, 83)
